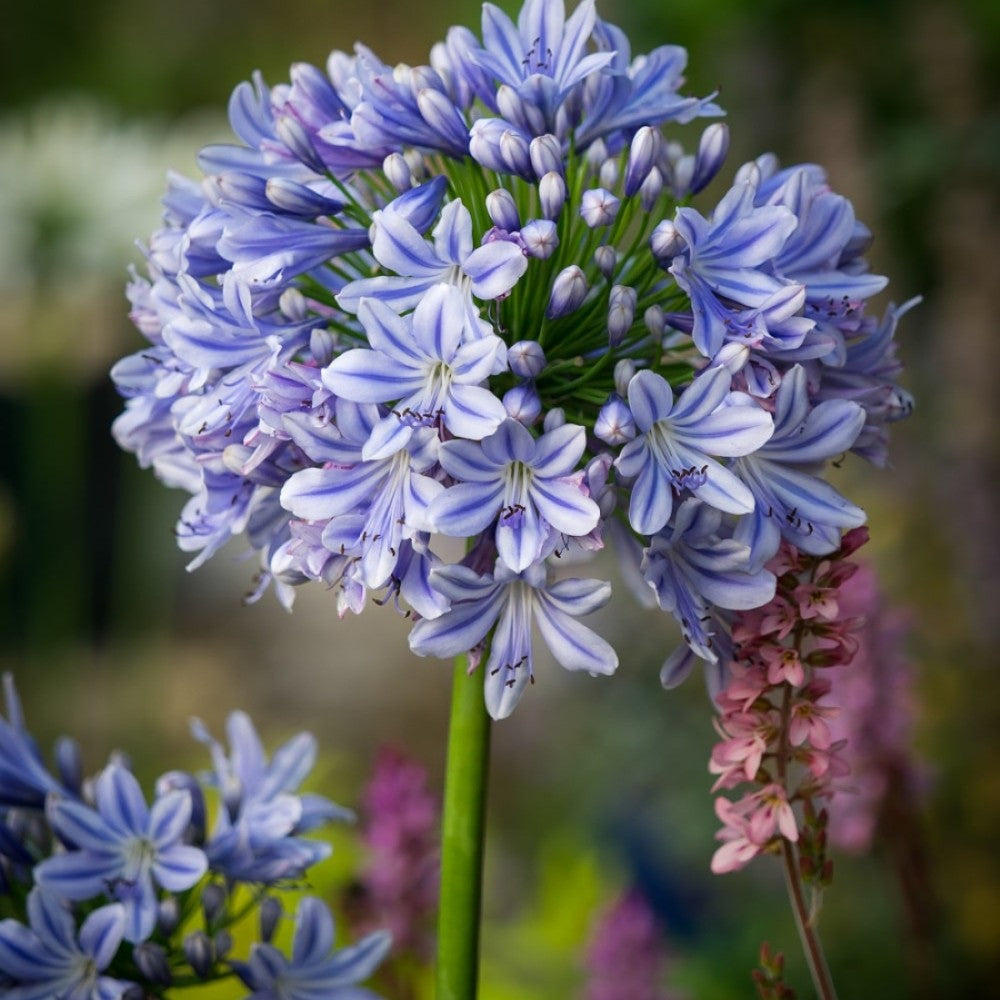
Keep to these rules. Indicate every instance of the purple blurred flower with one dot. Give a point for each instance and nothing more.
(876, 712)
(398, 888)
(625, 955)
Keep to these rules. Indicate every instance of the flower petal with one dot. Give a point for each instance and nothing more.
(495, 268)
(574, 646)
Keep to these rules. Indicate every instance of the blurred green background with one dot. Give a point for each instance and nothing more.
(595, 783)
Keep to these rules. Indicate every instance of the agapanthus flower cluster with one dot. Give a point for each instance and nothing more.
(106, 895)
(471, 300)
(775, 716)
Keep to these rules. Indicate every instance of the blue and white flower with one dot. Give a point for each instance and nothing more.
(123, 849)
(51, 959)
(316, 968)
(509, 603)
(673, 451)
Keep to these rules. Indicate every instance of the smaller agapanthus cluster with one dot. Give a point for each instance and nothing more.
(625, 954)
(106, 895)
(775, 715)
(398, 886)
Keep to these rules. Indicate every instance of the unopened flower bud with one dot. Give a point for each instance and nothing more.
(554, 418)
(598, 207)
(397, 170)
(614, 423)
(523, 404)
(624, 370)
(712, 149)
(652, 188)
(514, 154)
(568, 292)
(439, 111)
(294, 135)
(415, 161)
(647, 144)
(213, 901)
(322, 345)
(666, 242)
(597, 153)
(552, 194)
(200, 953)
(540, 238)
(526, 358)
(546, 156)
(270, 914)
(683, 171)
(609, 173)
(655, 320)
(293, 304)
(606, 259)
(223, 942)
(514, 109)
(151, 960)
(168, 916)
(69, 762)
(621, 312)
(502, 210)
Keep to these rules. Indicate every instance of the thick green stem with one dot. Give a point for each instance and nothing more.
(462, 838)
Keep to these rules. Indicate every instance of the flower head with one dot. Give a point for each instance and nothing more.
(336, 321)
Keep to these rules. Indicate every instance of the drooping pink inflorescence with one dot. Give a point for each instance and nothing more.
(777, 718)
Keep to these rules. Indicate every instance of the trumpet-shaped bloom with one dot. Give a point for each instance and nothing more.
(790, 500)
(369, 506)
(123, 849)
(724, 260)
(513, 602)
(694, 568)
(526, 484)
(487, 272)
(672, 452)
(421, 365)
(50, 959)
